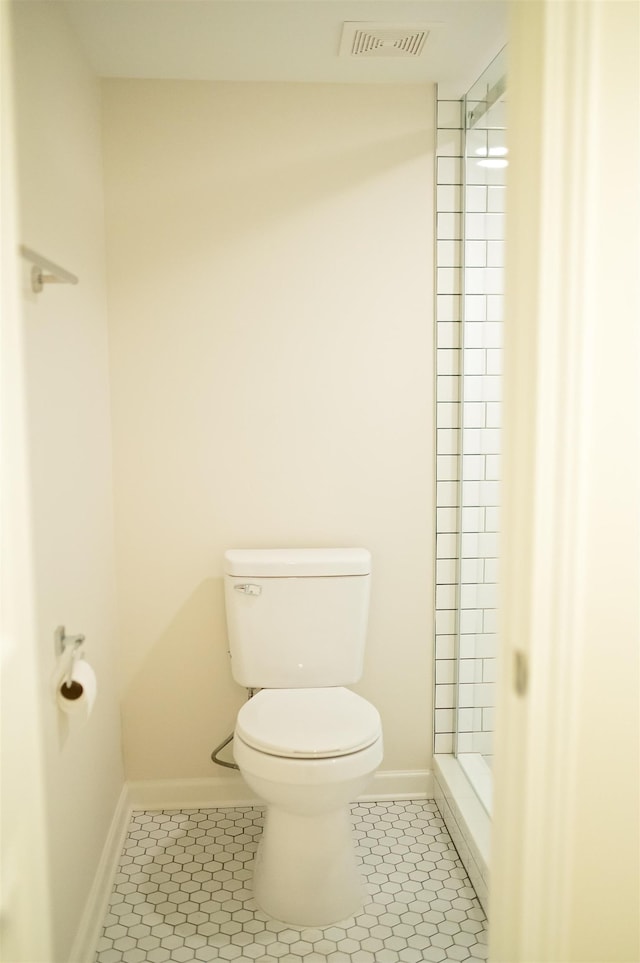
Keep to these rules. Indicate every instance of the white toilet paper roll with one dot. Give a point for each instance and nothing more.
(77, 698)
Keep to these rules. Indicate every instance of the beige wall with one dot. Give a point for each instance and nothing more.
(64, 369)
(270, 308)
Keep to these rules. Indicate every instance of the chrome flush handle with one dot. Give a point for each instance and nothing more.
(247, 588)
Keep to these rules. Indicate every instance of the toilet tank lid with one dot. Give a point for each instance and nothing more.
(296, 562)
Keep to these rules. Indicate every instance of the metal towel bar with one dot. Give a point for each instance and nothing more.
(54, 273)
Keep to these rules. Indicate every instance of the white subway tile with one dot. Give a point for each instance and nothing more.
(444, 720)
(443, 742)
(448, 143)
(465, 744)
(490, 622)
(490, 440)
(446, 494)
(487, 547)
(448, 361)
(494, 414)
(473, 334)
(484, 694)
(472, 441)
(448, 388)
(448, 307)
(491, 388)
(474, 362)
(472, 570)
(449, 170)
(498, 138)
(476, 174)
(476, 199)
(445, 696)
(449, 253)
(467, 645)
(495, 254)
(446, 571)
(470, 670)
(474, 388)
(447, 596)
(475, 253)
(448, 334)
(469, 719)
(470, 621)
(494, 281)
(447, 441)
(472, 519)
(489, 713)
(475, 307)
(445, 646)
(475, 280)
(493, 334)
(492, 514)
(446, 621)
(473, 467)
(487, 597)
(449, 114)
(477, 143)
(486, 645)
(482, 743)
(466, 696)
(492, 469)
(494, 225)
(448, 414)
(474, 414)
(469, 596)
(496, 200)
(494, 361)
(491, 570)
(447, 467)
(479, 227)
(489, 674)
(449, 227)
(446, 545)
(471, 493)
(446, 520)
(490, 498)
(449, 198)
(495, 307)
(448, 280)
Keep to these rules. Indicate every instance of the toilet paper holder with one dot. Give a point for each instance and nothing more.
(68, 643)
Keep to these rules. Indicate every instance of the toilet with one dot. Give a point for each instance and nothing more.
(306, 744)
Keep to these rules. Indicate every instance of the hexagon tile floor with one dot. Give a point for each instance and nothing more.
(183, 893)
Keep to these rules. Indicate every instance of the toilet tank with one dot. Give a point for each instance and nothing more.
(297, 618)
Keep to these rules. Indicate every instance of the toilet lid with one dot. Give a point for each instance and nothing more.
(308, 723)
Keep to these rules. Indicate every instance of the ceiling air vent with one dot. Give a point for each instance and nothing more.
(383, 39)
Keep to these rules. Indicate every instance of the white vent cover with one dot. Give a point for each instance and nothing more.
(362, 39)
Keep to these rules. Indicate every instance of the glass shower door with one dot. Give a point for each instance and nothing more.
(485, 168)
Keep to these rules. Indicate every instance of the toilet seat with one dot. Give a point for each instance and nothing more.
(314, 723)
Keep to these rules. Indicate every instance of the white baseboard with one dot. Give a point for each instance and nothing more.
(95, 910)
(231, 790)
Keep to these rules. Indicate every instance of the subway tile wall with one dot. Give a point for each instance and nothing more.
(469, 279)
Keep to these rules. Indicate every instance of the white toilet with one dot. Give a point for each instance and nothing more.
(306, 745)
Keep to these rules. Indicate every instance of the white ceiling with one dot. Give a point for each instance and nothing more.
(284, 40)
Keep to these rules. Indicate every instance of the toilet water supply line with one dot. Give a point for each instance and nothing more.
(225, 742)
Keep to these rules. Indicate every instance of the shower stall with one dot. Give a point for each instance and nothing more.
(472, 162)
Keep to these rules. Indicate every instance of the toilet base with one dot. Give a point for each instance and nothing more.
(306, 871)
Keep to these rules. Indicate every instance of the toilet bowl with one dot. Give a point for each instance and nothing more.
(308, 753)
